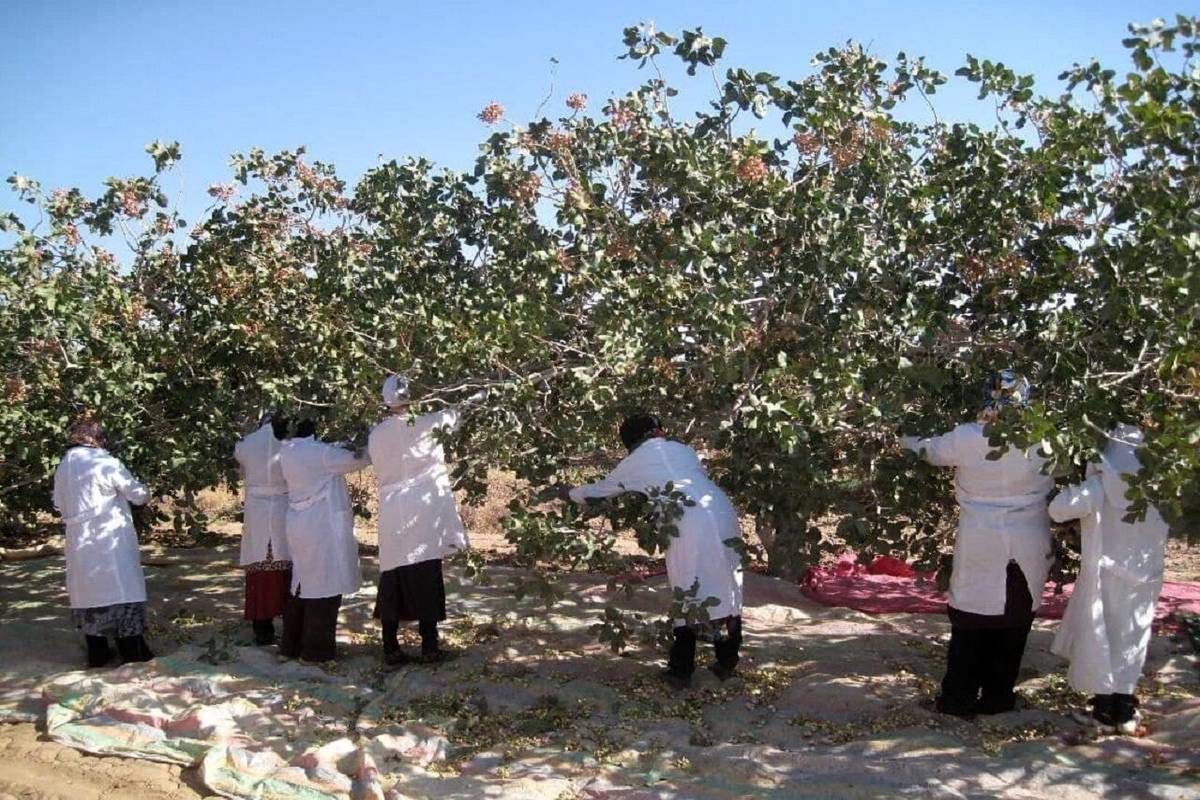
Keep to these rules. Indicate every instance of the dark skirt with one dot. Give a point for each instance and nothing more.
(120, 620)
(412, 592)
(266, 593)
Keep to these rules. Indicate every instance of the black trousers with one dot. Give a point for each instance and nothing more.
(727, 641)
(412, 592)
(129, 649)
(310, 627)
(984, 657)
(429, 636)
(981, 670)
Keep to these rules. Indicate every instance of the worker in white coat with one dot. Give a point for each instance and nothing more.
(1106, 630)
(264, 552)
(419, 524)
(105, 584)
(1002, 554)
(698, 559)
(320, 537)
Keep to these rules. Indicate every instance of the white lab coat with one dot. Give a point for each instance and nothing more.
(1002, 517)
(264, 514)
(92, 491)
(418, 517)
(320, 518)
(1106, 629)
(699, 552)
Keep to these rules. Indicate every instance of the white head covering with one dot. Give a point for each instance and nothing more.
(395, 390)
(1118, 460)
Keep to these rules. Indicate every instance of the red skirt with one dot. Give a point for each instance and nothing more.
(265, 593)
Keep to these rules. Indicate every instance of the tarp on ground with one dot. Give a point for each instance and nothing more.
(883, 588)
(255, 727)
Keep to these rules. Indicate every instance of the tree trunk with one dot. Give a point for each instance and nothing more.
(782, 540)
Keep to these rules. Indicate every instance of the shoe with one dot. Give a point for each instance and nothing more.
(1127, 728)
(112, 654)
(988, 709)
(310, 663)
(1102, 712)
(965, 711)
(438, 656)
(264, 633)
(675, 680)
(723, 673)
(1124, 713)
(396, 659)
(133, 649)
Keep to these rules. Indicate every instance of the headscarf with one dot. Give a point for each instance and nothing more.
(85, 432)
(280, 424)
(1002, 389)
(395, 390)
(637, 428)
(1120, 459)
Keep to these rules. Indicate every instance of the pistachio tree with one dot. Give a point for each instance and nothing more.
(789, 276)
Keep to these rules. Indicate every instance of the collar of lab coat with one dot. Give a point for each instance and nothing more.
(647, 441)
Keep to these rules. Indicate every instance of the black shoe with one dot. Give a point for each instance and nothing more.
(675, 680)
(722, 672)
(97, 661)
(396, 659)
(264, 632)
(1124, 708)
(995, 707)
(133, 649)
(954, 709)
(312, 662)
(438, 656)
(1104, 711)
(99, 654)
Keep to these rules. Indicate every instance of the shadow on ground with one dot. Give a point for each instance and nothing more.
(829, 702)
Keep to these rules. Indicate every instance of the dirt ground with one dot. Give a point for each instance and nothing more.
(824, 693)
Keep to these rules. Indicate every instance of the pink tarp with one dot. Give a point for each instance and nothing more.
(889, 586)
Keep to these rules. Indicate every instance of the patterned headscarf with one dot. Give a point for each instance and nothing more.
(1003, 388)
(86, 432)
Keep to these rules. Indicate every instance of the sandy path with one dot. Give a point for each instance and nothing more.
(34, 769)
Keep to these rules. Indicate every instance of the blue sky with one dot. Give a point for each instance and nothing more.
(86, 84)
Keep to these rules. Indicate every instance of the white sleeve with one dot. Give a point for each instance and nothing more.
(1077, 501)
(628, 476)
(59, 489)
(941, 451)
(128, 486)
(446, 418)
(340, 461)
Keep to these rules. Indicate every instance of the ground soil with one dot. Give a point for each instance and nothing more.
(191, 599)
